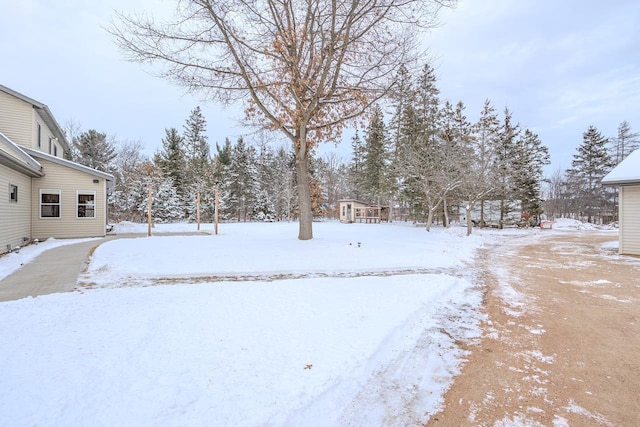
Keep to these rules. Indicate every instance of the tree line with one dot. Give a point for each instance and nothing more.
(578, 192)
(423, 158)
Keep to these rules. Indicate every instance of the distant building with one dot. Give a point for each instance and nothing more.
(352, 210)
(44, 194)
(627, 177)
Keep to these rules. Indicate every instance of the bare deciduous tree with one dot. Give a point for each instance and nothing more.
(306, 68)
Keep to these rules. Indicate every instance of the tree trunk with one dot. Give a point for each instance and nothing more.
(468, 215)
(305, 222)
(445, 208)
(429, 219)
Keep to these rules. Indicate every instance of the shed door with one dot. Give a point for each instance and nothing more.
(349, 212)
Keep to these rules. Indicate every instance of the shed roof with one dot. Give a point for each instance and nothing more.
(626, 173)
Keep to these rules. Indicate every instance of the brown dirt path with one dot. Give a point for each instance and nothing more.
(561, 345)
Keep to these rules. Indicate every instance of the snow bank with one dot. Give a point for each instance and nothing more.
(567, 224)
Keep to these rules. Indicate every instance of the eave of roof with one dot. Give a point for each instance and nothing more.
(14, 157)
(626, 173)
(44, 112)
(69, 164)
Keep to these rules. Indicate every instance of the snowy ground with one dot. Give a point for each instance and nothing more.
(362, 333)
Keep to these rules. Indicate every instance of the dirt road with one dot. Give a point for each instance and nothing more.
(562, 340)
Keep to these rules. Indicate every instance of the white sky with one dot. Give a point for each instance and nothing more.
(558, 66)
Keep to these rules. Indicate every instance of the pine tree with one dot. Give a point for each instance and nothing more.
(478, 180)
(197, 151)
(457, 151)
(375, 158)
(356, 173)
(94, 150)
(243, 180)
(505, 151)
(171, 160)
(590, 164)
(531, 157)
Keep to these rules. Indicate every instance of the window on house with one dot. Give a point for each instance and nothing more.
(55, 150)
(50, 145)
(13, 193)
(39, 134)
(86, 206)
(50, 203)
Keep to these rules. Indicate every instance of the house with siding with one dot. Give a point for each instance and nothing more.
(627, 177)
(42, 194)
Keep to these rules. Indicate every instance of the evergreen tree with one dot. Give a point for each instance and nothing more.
(505, 151)
(242, 181)
(375, 158)
(285, 184)
(94, 150)
(531, 157)
(357, 165)
(123, 202)
(590, 164)
(195, 140)
(457, 151)
(171, 160)
(478, 180)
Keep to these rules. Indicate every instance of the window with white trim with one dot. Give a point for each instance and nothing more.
(50, 202)
(86, 204)
(39, 134)
(13, 193)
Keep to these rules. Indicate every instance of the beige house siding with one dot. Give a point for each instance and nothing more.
(48, 142)
(348, 209)
(17, 120)
(14, 216)
(630, 220)
(68, 181)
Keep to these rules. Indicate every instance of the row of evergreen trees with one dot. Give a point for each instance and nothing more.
(578, 191)
(428, 161)
(431, 159)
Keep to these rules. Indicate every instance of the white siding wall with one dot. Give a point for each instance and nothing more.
(15, 221)
(17, 120)
(630, 220)
(68, 181)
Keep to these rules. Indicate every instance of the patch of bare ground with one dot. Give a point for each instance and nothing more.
(561, 346)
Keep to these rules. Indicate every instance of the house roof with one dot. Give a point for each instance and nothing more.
(353, 200)
(14, 157)
(44, 113)
(69, 164)
(626, 173)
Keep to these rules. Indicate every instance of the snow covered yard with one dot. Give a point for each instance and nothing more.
(357, 338)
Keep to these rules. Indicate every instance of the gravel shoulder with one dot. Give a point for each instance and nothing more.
(561, 343)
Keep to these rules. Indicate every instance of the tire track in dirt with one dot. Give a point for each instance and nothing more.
(561, 344)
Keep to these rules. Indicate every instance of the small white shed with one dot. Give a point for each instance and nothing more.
(627, 176)
(352, 210)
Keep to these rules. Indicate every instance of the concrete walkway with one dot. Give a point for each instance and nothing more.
(57, 269)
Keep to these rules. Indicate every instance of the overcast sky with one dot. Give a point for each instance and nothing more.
(558, 65)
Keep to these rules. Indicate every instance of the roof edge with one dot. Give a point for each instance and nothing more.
(69, 164)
